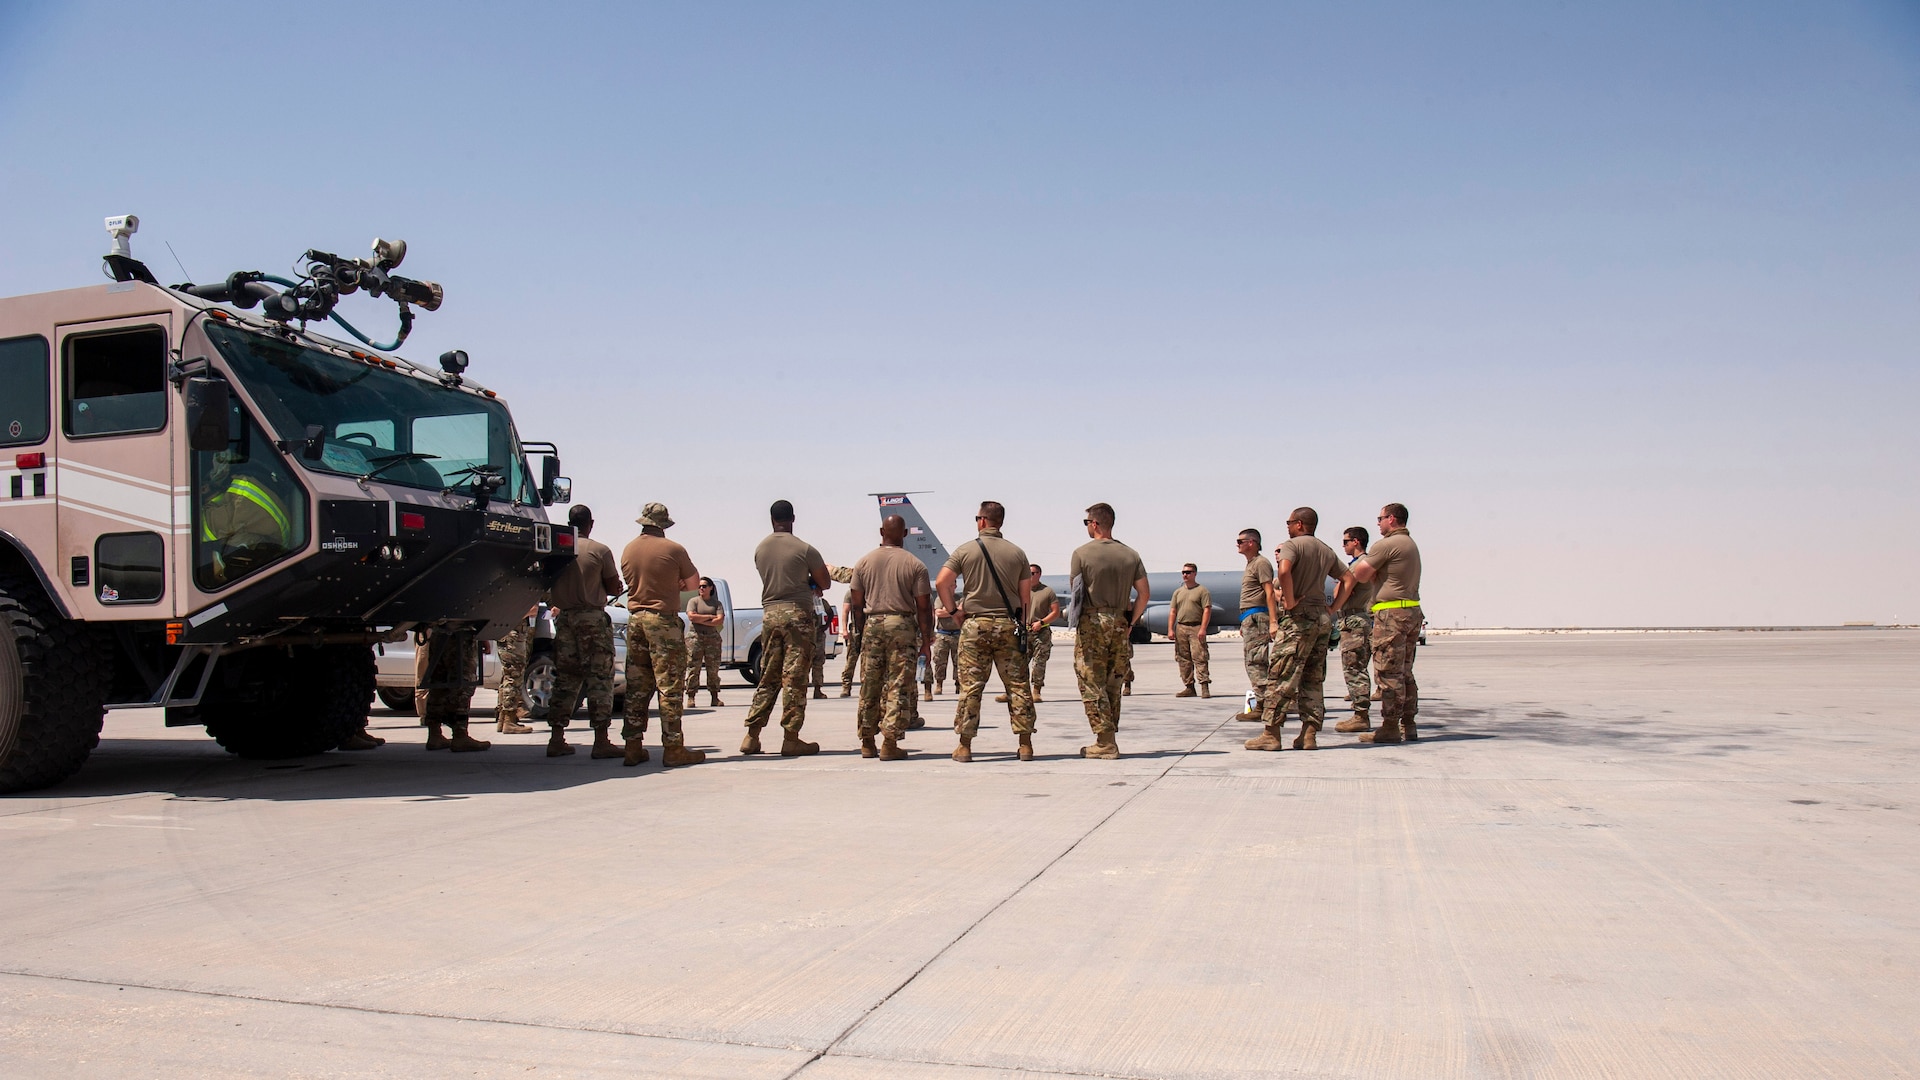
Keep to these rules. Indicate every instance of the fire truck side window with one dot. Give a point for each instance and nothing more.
(248, 510)
(117, 382)
(24, 382)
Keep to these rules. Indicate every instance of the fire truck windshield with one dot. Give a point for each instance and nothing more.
(376, 422)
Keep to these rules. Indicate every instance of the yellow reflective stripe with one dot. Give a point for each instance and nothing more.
(1385, 604)
(264, 499)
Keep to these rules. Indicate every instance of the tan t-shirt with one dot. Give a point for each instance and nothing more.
(1190, 604)
(1253, 591)
(1040, 602)
(1310, 561)
(592, 580)
(697, 606)
(1109, 568)
(1396, 562)
(889, 578)
(1361, 598)
(786, 564)
(982, 597)
(654, 567)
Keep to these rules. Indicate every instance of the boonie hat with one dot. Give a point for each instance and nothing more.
(655, 514)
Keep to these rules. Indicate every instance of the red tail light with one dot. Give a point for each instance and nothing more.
(563, 538)
(416, 522)
(30, 461)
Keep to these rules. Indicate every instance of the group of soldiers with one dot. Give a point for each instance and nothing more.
(986, 611)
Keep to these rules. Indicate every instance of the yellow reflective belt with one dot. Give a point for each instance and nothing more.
(1385, 604)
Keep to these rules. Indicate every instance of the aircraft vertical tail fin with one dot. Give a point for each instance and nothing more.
(920, 539)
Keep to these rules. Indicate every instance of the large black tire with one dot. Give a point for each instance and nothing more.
(399, 699)
(752, 670)
(53, 686)
(277, 703)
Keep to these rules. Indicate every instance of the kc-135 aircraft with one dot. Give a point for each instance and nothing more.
(1223, 584)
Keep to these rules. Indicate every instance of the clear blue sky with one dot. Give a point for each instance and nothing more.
(1619, 298)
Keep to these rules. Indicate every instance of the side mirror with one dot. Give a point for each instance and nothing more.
(208, 400)
(559, 490)
(549, 472)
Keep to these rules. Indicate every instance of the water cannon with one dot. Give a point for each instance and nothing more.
(324, 279)
(120, 263)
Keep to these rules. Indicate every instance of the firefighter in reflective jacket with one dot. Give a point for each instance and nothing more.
(244, 525)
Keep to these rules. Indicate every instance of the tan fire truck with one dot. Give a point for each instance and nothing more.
(206, 508)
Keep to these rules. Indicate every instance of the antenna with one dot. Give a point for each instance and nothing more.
(184, 276)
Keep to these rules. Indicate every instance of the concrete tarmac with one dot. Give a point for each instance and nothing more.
(1647, 855)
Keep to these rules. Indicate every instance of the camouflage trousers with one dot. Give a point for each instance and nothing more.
(1396, 634)
(786, 652)
(1356, 652)
(889, 647)
(583, 665)
(656, 661)
(945, 647)
(1299, 668)
(1128, 678)
(1100, 661)
(819, 654)
(512, 707)
(1190, 653)
(1039, 650)
(1256, 639)
(855, 657)
(703, 650)
(450, 673)
(987, 643)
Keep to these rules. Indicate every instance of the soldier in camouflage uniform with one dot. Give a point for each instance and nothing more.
(583, 640)
(1257, 607)
(945, 650)
(1393, 566)
(1112, 582)
(890, 611)
(1356, 633)
(849, 632)
(1306, 630)
(452, 673)
(656, 571)
(822, 610)
(1043, 607)
(512, 697)
(998, 590)
(790, 571)
(703, 650)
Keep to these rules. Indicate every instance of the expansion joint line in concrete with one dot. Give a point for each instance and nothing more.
(1002, 902)
(264, 999)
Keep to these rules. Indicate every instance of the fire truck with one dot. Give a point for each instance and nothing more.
(208, 508)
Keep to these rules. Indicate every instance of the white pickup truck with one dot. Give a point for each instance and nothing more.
(739, 650)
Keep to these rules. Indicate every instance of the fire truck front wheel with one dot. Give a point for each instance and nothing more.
(53, 682)
(284, 703)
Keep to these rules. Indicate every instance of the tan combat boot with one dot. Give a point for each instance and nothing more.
(359, 740)
(819, 694)
(557, 744)
(1127, 690)
(674, 756)
(1103, 747)
(714, 701)
(605, 747)
(867, 748)
(1409, 731)
(437, 738)
(693, 699)
(1359, 721)
(463, 743)
(1186, 691)
(634, 753)
(938, 689)
(1206, 690)
(792, 745)
(1308, 737)
(1026, 747)
(890, 749)
(751, 744)
(1388, 734)
(1267, 740)
(964, 752)
(513, 727)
